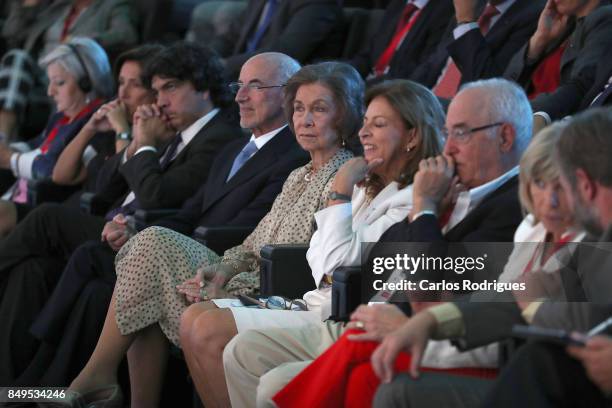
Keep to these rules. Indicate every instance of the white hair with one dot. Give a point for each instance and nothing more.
(285, 65)
(508, 103)
(95, 60)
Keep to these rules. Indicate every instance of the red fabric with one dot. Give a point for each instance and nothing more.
(565, 239)
(484, 21)
(70, 19)
(405, 23)
(448, 85)
(547, 76)
(343, 376)
(64, 121)
(445, 216)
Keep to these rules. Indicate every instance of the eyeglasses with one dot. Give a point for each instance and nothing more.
(236, 86)
(282, 303)
(463, 135)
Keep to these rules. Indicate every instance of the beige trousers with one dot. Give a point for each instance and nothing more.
(258, 363)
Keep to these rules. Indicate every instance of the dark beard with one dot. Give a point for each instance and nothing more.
(587, 217)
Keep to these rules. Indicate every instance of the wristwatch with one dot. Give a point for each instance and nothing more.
(127, 136)
(334, 195)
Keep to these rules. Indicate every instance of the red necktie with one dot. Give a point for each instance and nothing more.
(445, 216)
(405, 23)
(449, 83)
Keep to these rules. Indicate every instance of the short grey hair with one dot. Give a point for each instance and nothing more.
(285, 65)
(508, 103)
(96, 62)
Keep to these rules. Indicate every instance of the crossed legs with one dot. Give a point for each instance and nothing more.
(147, 352)
(204, 332)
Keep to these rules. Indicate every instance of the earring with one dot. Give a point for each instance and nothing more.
(343, 142)
(408, 149)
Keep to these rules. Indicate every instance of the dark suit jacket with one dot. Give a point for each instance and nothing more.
(586, 300)
(478, 56)
(589, 41)
(493, 220)
(603, 74)
(575, 95)
(246, 197)
(419, 43)
(168, 188)
(299, 29)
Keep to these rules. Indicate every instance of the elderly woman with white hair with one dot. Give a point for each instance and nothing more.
(79, 80)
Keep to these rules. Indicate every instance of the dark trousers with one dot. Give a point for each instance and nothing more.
(57, 364)
(50, 230)
(94, 260)
(544, 375)
(25, 290)
(31, 259)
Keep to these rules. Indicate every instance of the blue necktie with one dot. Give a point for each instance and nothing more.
(245, 154)
(269, 10)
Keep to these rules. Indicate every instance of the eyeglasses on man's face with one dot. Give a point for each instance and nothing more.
(236, 86)
(461, 135)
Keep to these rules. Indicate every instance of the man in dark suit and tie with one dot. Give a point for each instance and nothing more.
(244, 180)
(302, 29)
(169, 157)
(408, 33)
(544, 373)
(478, 44)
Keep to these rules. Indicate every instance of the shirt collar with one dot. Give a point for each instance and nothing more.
(419, 3)
(468, 200)
(266, 137)
(504, 6)
(195, 127)
(477, 194)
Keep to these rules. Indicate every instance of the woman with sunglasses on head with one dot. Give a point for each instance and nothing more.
(369, 194)
(146, 306)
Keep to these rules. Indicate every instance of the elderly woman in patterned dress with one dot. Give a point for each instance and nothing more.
(324, 103)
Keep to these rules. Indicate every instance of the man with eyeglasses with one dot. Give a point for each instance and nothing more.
(470, 192)
(541, 373)
(244, 179)
(488, 127)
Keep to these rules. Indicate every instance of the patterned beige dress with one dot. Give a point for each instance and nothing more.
(155, 261)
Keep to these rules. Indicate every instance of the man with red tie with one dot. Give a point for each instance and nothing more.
(479, 43)
(409, 32)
